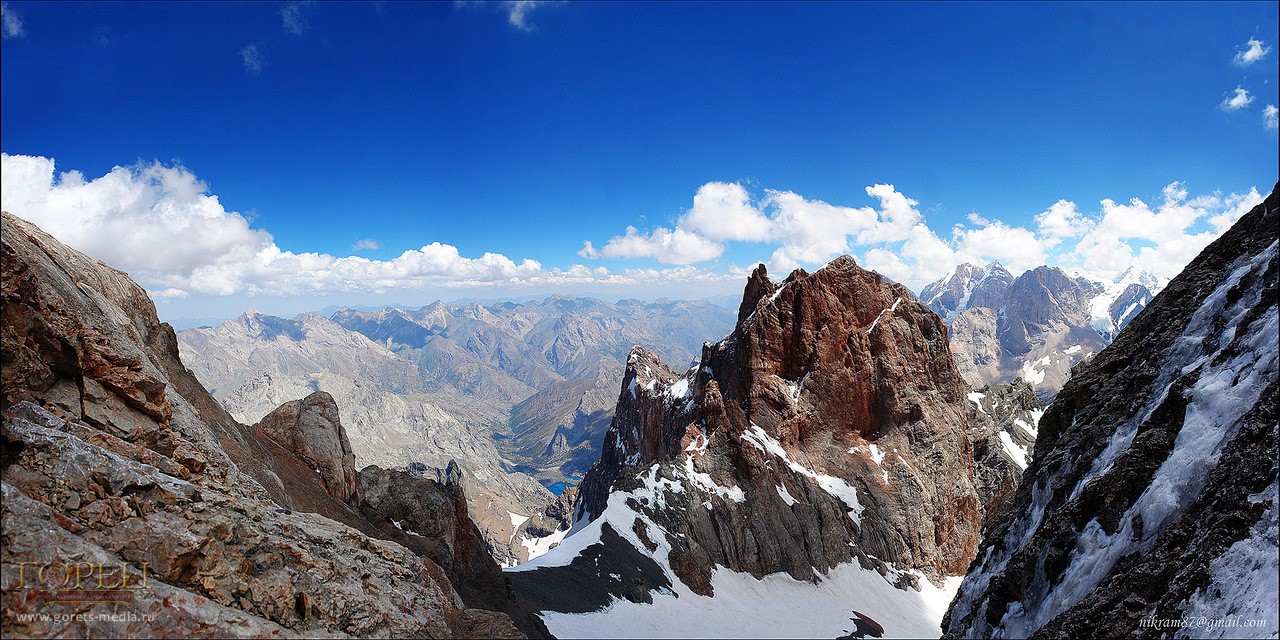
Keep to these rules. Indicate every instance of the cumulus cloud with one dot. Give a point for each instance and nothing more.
(1166, 239)
(805, 231)
(160, 224)
(252, 58)
(667, 246)
(1269, 119)
(1236, 100)
(898, 242)
(1059, 222)
(12, 24)
(723, 211)
(366, 244)
(1253, 51)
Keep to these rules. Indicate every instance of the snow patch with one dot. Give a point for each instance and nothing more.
(540, 546)
(786, 495)
(889, 311)
(777, 606)
(838, 488)
(1031, 374)
(706, 482)
(1242, 578)
(1016, 452)
(976, 399)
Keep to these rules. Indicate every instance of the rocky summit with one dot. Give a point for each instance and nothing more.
(828, 437)
(1152, 495)
(118, 463)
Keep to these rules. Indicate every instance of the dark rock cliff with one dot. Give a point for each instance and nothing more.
(1152, 493)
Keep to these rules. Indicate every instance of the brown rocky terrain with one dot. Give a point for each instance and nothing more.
(114, 454)
(1153, 491)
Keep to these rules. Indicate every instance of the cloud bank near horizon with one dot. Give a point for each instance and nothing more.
(161, 224)
(896, 240)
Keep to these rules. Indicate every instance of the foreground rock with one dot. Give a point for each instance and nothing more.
(114, 456)
(1152, 497)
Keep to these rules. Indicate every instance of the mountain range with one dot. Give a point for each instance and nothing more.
(1036, 326)
(825, 469)
(514, 393)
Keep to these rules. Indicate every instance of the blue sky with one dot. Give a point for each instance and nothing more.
(524, 130)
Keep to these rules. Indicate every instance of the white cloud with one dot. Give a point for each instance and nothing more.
(811, 231)
(1252, 52)
(291, 16)
(1236, 100)
(366, 244)
(162, 226)
(12, 23)
(723, 211)
(668, 246)
(253, 60)
(518, 12)
(1165, 235)
(1015, 247)
(902, 246)
(806, 231)
(1269, 117)
(1231, 207)
(1061, 221)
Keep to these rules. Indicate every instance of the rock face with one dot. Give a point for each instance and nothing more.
(1034, 327)
(970, 286)
(1008, 416)
(433, 514)
(1153, 491)
(830, 425)
(113, 453)
(310, 427)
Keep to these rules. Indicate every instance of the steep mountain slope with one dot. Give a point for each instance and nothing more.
(826, 440)
(394, 413)
(113, 453)
(1153, 495)
(969, 286)
(1036, 326)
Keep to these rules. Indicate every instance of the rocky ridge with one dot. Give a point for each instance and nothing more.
(1152, 494)
(113, 453)
(829, 428)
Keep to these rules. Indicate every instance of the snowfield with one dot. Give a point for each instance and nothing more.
(777, 606)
